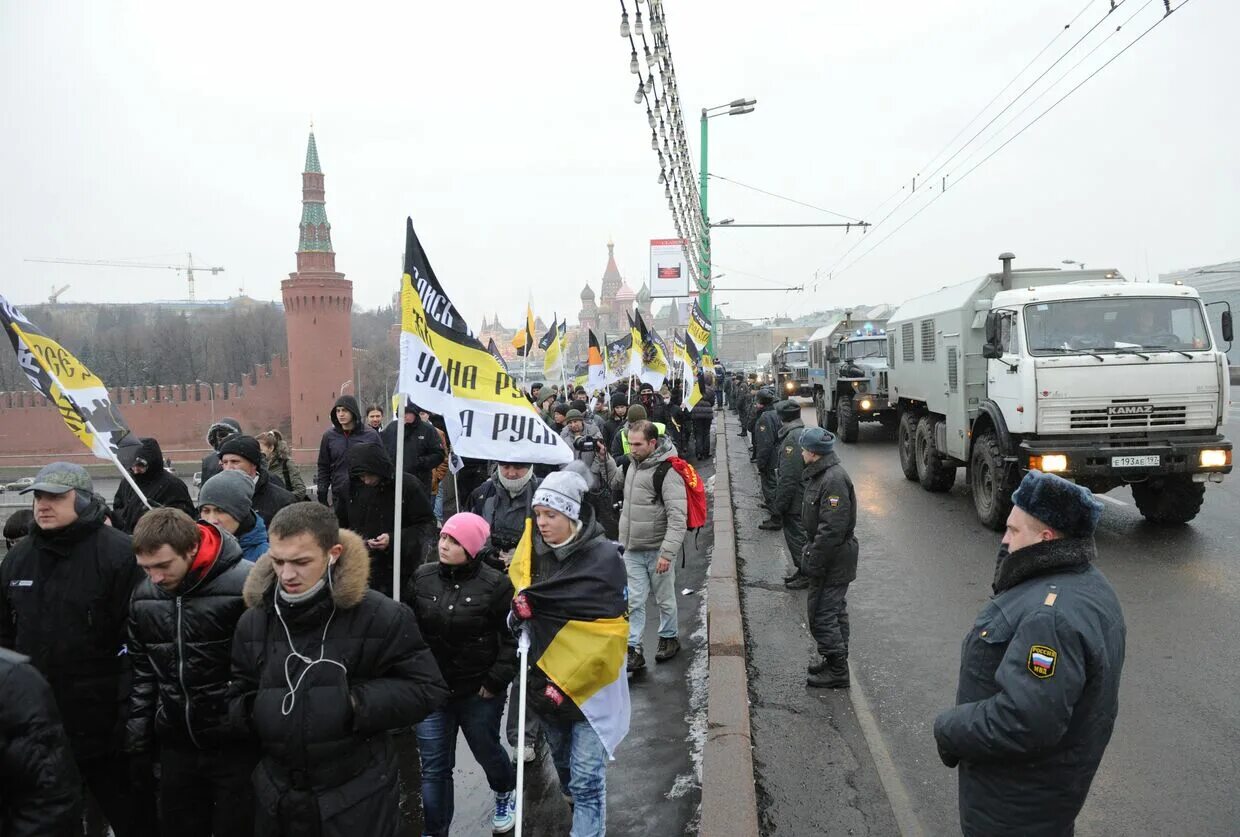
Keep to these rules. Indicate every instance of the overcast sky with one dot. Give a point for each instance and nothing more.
(508, 132)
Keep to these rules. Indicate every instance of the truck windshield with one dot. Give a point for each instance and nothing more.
(1115, 324)
(858, 349)
(796, 356)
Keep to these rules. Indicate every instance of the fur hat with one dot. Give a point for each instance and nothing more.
(469, 530)
(1066, 507)
(788, 410)
(765, 396)
(563, 491)
(819, 441)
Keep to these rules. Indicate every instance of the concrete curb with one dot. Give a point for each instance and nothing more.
(729, 792)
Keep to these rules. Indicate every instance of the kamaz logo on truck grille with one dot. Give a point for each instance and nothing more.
(1130, 410)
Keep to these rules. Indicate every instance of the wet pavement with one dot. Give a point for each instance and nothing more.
(925, 570)
(814, 769)
(654, 784)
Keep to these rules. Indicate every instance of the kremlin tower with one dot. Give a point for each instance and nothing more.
(318, 303)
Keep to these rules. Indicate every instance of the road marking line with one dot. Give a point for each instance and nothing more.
(1115, 501)
(897, 793)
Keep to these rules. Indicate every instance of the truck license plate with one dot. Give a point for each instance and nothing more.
(1135, 461)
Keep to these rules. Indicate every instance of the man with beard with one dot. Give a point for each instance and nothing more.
(323, 670)
(371, 512)
(160, 487)
(423, 452)
(64, 601)
(241, 453)
(1039, 671)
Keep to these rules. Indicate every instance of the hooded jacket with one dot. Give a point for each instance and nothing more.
(423, 449)
(216, 433)
(463, 613)
(646, 522)
(328, 764)
(160, 487)
(829, 517)
(64, 602)
(370, 511)
(333, 465)
(269, 495)
(40, 790)
(179, 646)
(253, 541)
(504, 513)
(1038, 693)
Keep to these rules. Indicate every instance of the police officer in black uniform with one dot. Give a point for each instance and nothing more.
(789, 490)
(1039, 671)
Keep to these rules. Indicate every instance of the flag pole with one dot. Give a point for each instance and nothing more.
(400, 491)
(523, 654)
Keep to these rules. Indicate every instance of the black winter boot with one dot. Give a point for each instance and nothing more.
(834, 676)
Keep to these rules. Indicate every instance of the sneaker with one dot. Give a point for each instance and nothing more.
(637, 660)
(529, 753)
(504, 820)
(668, 647)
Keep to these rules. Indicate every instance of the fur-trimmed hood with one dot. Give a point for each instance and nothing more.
(350, 576)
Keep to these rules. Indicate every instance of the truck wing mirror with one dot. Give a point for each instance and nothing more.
(992, 329)
(1227, 329)
(990, 351)
(833, 355)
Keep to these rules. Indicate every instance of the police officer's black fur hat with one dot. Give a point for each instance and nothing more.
(1066, 507)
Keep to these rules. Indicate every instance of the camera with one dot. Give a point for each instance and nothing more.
(585, 444)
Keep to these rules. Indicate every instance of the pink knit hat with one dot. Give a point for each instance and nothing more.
(469, 530)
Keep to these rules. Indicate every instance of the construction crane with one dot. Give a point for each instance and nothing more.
(56, 292)
(188, 268)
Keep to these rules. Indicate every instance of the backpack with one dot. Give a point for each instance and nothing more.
(695, 489)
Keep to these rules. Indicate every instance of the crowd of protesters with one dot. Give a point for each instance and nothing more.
(238, 663)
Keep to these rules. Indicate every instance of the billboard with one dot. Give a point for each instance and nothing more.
(669, 272)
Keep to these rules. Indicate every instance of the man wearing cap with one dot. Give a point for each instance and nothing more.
(829, 515)
(766, 454)
(789, 490)
(241, 453)
(1039, 670)
(64, 602)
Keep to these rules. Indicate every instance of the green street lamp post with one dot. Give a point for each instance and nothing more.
(734, 108)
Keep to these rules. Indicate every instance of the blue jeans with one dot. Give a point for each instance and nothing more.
(581, 763)
(640, 565)
(440, 494)
(479, 719)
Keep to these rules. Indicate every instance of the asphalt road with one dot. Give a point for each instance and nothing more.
(925, 570)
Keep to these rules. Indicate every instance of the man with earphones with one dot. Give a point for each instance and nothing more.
(323, 669)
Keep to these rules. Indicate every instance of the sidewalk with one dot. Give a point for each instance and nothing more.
(815, 772)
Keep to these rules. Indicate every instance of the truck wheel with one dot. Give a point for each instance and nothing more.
(848, 422)
(932, 472)
(906, 443)
(833, 418)
(1169, 500)
(820, 411)
(990, 482)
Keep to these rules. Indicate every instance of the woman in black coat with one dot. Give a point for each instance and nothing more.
(323, 668)
(462, 606)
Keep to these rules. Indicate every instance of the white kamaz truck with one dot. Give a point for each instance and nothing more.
(1078, 373)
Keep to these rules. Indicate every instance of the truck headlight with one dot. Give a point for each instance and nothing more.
(866, 404)
(791, 386)
(1215, 458)
(1049, 463)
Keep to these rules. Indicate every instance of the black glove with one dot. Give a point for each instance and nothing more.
(948, 759)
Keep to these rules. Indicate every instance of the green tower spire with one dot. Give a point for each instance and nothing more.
(316, 232)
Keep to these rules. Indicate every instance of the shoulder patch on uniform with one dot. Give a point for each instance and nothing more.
(1041, 661)
(833, 500)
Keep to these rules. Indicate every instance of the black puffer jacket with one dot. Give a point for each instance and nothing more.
(270, 495)
(180, 648)
(333, 465)
(463, 611)
(160, 487)
(64, 602)
(1039, 692)
(504, 513)
(329, 767)
(371, 511)
(829, 517)
(422, 448)
(40, 791)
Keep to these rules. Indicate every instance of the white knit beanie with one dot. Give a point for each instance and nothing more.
(562, 490)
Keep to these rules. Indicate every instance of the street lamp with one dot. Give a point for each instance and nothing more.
(210, 389)
(1081, 265)
(736, 107)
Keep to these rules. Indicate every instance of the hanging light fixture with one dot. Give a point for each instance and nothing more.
(624, 24)
(650, 83)
(638, 29)
(650, 117)
(633, 62)
(654, 141)
(662, 178)
(641, 90)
